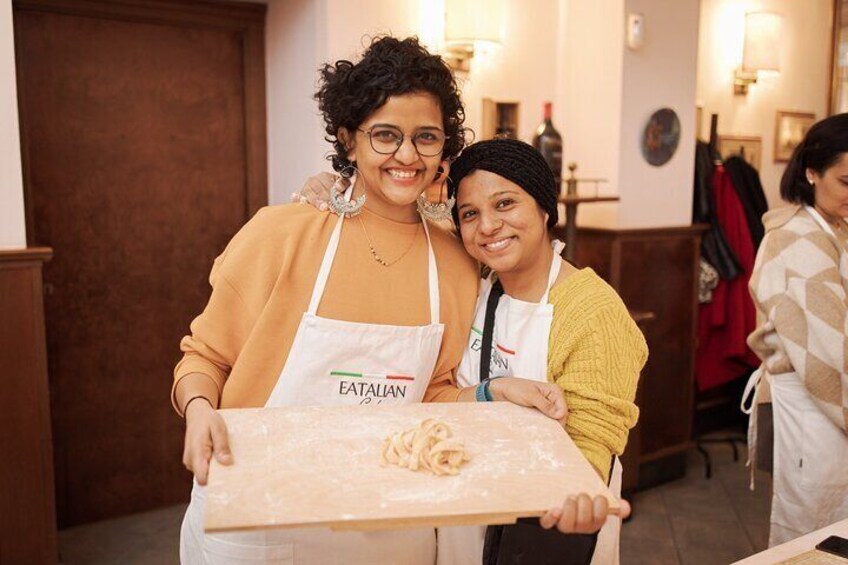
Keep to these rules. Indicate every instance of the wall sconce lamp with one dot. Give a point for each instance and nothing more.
(760, 53)
(470, 24)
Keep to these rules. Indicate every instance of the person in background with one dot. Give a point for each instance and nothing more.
(549, 323)
(301, 299)
(799, 286)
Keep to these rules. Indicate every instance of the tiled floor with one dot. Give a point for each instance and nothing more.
(699, 521)
(693, 521)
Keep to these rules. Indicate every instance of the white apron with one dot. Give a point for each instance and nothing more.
(810, 482)
(519, 348)
(333, 362)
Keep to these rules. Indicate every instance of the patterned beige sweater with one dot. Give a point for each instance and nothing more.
(799, 286)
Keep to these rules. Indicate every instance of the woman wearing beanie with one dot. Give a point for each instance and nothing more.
(550, 322)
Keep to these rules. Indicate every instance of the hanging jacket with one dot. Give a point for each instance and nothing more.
(746, 181)
(714, 247)
(724, 323)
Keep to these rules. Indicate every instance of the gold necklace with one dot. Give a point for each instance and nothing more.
(377, 257)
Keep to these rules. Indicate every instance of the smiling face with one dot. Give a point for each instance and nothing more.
(393, 182)
(502, 226)
(831, 188)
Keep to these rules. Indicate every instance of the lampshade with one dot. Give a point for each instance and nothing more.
(761, 51)
(471, 21)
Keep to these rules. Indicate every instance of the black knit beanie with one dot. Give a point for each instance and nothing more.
(513, 160)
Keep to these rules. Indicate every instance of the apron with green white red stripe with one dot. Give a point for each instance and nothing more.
(334, 362)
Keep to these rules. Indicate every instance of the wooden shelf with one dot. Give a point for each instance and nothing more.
(581, 199)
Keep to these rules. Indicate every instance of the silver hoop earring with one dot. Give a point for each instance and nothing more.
(435, 211)
(337, 202)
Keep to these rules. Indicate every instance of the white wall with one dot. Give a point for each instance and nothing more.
(659, 74)
(523, 70)
(12, 225)
(609, 92)
(295, 40)
(803, 83)
(588, 112)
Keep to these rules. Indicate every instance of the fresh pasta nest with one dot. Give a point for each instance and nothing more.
(428, 447)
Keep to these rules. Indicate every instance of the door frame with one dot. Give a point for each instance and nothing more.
(246, 19)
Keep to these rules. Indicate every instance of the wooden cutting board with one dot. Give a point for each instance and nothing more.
(320, 466)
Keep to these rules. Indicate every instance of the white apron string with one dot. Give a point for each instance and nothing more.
(750, 391)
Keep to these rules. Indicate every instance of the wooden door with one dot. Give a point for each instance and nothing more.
(143, 135)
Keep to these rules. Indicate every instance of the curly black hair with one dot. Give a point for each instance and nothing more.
(350, 92)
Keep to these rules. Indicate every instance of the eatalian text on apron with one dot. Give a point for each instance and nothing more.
(518, 346)
(810, 482)
(335, 362)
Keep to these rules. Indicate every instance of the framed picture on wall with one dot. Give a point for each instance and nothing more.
(790, 128)
(839, 59)
(748, 147)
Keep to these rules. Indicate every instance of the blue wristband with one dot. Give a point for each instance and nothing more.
(482, 392)
(487, 392)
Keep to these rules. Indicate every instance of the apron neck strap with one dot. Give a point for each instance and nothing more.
(326, 265)
(330, 254)
(553, 273)
(432, 276)
(488, 329)
(819, 219)
(492, 306)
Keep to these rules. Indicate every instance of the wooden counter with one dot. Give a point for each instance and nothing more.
(27, 504)
(655, 270)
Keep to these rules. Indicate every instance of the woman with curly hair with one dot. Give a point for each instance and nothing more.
(301, 300)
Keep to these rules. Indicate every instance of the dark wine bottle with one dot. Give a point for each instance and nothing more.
(549, 143)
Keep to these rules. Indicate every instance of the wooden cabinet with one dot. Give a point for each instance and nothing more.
(27, 507)
(655, 271)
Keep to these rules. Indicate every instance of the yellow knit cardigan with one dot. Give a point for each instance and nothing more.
(595, 354)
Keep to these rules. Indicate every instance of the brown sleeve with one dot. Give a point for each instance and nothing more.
(442, 388)
(191, 386)
(217, 336)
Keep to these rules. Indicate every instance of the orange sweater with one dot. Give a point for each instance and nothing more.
(262, 283)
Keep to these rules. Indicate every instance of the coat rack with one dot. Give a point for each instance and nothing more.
(705, 404)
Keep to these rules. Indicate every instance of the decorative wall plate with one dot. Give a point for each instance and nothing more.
(661, 137)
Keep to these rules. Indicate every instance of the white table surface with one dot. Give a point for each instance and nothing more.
(797, 546)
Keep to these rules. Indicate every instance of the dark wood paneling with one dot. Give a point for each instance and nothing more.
(143, 134)
(655, 270)
(27, 508)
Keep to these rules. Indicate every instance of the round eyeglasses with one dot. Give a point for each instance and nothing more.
(386, 140)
